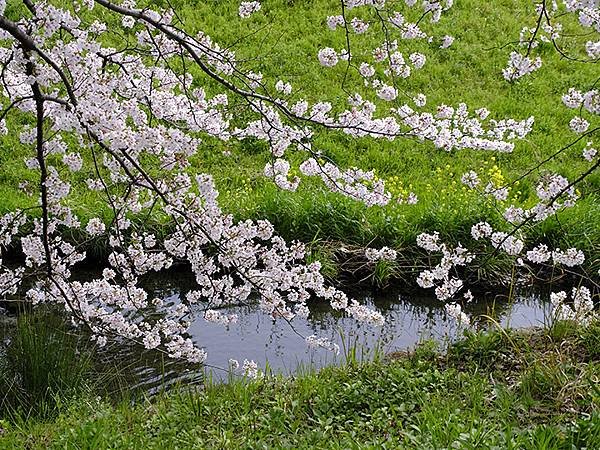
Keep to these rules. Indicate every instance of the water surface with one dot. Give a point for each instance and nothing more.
(409, 319)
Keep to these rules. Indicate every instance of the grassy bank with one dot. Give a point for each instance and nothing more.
(536, 389)
(470, 71)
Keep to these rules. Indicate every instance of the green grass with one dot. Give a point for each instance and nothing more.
(41, 363)
(499, 389)
(282, 41)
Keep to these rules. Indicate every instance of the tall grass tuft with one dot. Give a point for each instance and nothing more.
(42, 366)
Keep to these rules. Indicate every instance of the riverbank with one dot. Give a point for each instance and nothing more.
(505, 389)
(345, 264)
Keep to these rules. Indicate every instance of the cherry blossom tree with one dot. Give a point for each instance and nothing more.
(134, 114)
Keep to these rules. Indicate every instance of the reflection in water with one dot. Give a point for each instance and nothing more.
(408, 320)
(256, 336)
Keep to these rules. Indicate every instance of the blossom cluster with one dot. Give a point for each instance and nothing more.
(246, 9)
(249, 368)
(579, 309)
(589, 100)
(520, 65)
(589, 152)
(447, 285)
(440, 277)
(382, 254)
(353, 183)
(554, 192)
(279, 171)
(514, 246)
(314, 341)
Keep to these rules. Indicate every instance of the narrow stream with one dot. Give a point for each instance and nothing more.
(408, 320)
